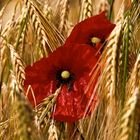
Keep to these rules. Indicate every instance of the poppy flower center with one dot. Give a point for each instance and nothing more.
(95, 40)
(65, 74)
(65, 77)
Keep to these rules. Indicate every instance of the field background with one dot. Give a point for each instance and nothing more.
(30, 30)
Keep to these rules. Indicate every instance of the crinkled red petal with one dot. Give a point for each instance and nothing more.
(96, 26)
(78, 59)
(71, 105)
(39, 91)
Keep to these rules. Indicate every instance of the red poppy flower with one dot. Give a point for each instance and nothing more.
(69, 67)
(92, 31)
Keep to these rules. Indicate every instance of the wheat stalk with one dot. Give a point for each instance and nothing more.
(10, 23)
(131, 114)
(48, 12)
(111, 2)
(127, 53)
(134, 78)
(111, 72)
(24, 123)
(22, 27)
(127, 34)
(52, 132)
(21, 42)
(3, 127)
(129, 124)
(48, 104)
(27, 40)
(108, 80)
(4, 72)
(1, 15)
(106, 87)
(86, 9)
(49, 35)
(18, 106)
(104, 6)
(110, 58)
(46, 9)
(18, 67)
(38, 27)
(64, 4)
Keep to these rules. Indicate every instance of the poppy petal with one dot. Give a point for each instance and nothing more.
(95, 26)
(79, 60)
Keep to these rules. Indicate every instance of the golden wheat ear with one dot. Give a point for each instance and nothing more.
(86, 10)
(111, 84)
(129, 124)
(48, 33)
(63, 27)
(36, 28)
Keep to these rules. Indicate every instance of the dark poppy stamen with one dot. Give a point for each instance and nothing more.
(65, 77)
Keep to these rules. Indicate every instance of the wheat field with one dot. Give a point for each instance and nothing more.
(32, 29)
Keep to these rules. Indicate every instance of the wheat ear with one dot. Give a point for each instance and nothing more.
(104, 6)
(86, 9)
(64, 16)
(129, 125)
(50, 37)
